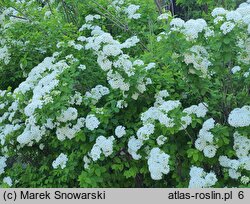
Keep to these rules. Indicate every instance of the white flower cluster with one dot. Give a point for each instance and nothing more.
(145, 131)
(121, 104)
(198, 56)
(2, 164)
(104, 46)
(235, 69)
(103, 145)
(246, 74)
(244, 56)
(6, 130)
(47, 14)
(89, 18)
(133, 146)
(161, 140)
(159, 97)
(239, 16)
(199, 110)
(4, 55)
(76, 99)
(69, 130)
(239, 117)
(67, 115)
(163, 16)
(76, 46)
(234, 166)
(158, 163)
(190, 29)
(218, 12)
(160, 113)
(200, 179)
(245, 180)
(82, 67)
(32, 132)
(8, 181)
(131, 11)
(117, 4)
(241, 145)
(227, 27)
(120, 131)
(92, 122)
(41, 82)
(205, 141)
(97, 93)
(86, 161)
(41, 86)
(61, 161)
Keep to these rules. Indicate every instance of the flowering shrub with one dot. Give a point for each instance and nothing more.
(167, 106)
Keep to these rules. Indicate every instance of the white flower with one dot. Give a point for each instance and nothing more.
(158, 163)
(41, 146)
(97, 93)
(177, 23)
(131, 42)
(218, 11)
(205, 140)
(82, 67)
(200, 144)
(234, 174)
(95, 153)
(145, 131)
(210, 151)
(210, 179)
(235, 69)
(102, 145)
(69, 132)
(192, 28)
(47, 14)
(76, 99)
(133, 146)
(218, 19)
(200, 110)
(67, 115)
(241, 145)
(244, 180)
(90, 18)
(131, 11)
(4, 55)
(61, 161)
(163, 16)
(198, 57)
(161, 140)
(120, 131)
(150, 66)
(2, 164)
(234, 16)
(240, 117)
(227, 27)
(91, 122)
(7, 180)
(246, 74)
(121, 104)
(86, 161)
(200, 179)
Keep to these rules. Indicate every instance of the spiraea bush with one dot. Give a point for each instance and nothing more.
(129, 98)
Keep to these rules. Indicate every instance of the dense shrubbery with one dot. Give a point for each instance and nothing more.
(194, 9)
(113, 95)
